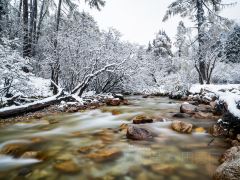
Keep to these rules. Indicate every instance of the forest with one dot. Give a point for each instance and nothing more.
(79, 102)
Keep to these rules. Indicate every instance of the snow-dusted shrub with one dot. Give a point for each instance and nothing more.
(226, 73)
(15, 75)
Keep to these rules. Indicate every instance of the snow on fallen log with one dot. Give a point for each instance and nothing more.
(30, 107)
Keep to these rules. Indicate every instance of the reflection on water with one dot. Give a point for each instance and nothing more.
(90, 145)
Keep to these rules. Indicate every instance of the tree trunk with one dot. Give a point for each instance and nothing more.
(201, 61)
(25, 29)
(41, 16)
(20, 10)
(32, 107)
(1, 17)
(56, 65)
(34, 27)
(31, 28)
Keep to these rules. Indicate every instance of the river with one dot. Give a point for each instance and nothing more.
(90, 145)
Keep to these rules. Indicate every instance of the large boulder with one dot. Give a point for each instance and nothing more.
(229, 153)
(137, 133)
(182, 127)
(229, 170)
(188, 108)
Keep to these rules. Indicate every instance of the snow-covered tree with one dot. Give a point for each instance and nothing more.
(232, 45)
(196, 9)
(181, 40)
(162, 45)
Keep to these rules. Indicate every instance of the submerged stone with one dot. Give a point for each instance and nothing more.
(181, 115)
(15, 150)
(87, 149)
(30, 154)
(163, 168)
(67, 167)
(200, 130)
(203, 115)
(105, 155)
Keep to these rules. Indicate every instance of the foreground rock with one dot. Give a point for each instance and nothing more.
(141, 119)
(188, 108)
(137, 133)
(229, 170)
(105, 155)
(229, 153)
(182, 127)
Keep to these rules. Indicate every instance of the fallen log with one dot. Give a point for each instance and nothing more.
(32, 107)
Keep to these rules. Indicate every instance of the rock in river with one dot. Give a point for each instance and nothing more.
(182, 127)
(229, 170)
(181, 115)
(15, 150)
(229, 153)
(113, 102)
(188, 108)
(141, 119)
(137, 133)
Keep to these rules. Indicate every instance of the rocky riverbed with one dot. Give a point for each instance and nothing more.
(146, 138)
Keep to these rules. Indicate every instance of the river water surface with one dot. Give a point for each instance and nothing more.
(79, 146)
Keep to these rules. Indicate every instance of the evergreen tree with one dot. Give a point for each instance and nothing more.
(232, 45)
(181, 39)
(162, 45)
(149, 49)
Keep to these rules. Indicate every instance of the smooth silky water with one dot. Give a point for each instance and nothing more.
(170, 155)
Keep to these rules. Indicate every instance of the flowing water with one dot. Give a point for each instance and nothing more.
(90, 145)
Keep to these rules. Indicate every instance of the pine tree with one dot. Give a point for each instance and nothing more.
(181, 39)
(149, 49)
(232, 45)
(162, 45)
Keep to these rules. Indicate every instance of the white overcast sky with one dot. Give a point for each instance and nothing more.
(139, 20)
